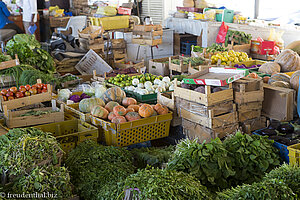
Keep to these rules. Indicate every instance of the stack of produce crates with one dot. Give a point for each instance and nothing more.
(249, 96)
(91, 38)
(206, 115)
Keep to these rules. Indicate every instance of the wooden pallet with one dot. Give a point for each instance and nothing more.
(207, 99)
(196, 131)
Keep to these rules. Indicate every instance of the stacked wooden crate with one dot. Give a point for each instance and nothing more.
(206, 116)
(118, 47)
(147, 34)
(92, 38)
(249, 96)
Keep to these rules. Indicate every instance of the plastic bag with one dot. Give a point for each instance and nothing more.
(99, 89)
(277, 37)
(222, 33)
(107, 11)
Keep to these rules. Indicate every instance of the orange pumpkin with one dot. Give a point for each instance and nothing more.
(253, 75)
(111, 116)
(119, 119)
(135, 107)
(99, 111)
(119, 110)
(157, 107)
(129, 101)
(132, 116)
(110, 105)
(129, 110)
(146, 110)
(163, 110)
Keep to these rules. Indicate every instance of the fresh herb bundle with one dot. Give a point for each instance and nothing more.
(29, 52)
(24, 148)
(211, 163)
(98, 171)
(4, 57)
(16, 72)
(265, 190)
(45, 179)
(157, 184)
(289, 174)
(153, 156)
(30, 76)
(253, 157)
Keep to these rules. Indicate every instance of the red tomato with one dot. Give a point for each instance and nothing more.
(33, 87)
(19, 95)
(45, 87)
(13, 89)
(23, 90)
(10, 98)
(39, 86)
(33, 91)
(9, 94)
(22, 86)
(27, 93)
(44, 91)
(28, 87)
(39, 91)
(4, 92)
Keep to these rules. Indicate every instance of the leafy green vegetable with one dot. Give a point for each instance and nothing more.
(211, 49)
(186, 60)
(253, 157)
(48, 179)
(289, 174)
(30, 77)
(4, 57)
(238, 37)
(265, 190)
(98, 171)
(153, 156)
(16, 72)
(24, 148)
(29, 52)
(157, 184)
(37, 113)
(211, 163)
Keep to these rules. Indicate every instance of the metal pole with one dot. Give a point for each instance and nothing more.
(256, 9)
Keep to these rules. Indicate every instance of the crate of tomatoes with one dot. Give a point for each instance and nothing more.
(14, 97)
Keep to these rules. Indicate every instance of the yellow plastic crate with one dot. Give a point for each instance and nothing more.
(73, 109)
(110, 23)
(294, 154)
(249, 63)
(71, 133)
(134, 132)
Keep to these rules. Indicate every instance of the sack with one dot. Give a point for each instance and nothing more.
(277, 37)
(222, 33)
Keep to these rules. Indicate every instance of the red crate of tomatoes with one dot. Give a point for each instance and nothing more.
(14, 97)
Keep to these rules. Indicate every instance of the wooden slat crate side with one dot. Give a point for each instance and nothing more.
(247, 84)
(243, 116)
(246, 97)
(213, 122)
(254, 124)
(249, 106)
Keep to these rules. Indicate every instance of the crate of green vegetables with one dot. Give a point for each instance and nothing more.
(69, 80)
(71, 133)
(181, 64)
(7, 62)
(214, 49)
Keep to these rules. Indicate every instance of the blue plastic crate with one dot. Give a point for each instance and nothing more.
(283, 151)
(186, 47)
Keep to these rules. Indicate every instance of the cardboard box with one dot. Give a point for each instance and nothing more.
(159, 67)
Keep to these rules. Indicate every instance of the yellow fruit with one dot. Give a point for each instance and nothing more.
(236, 60)
(223, 63)
(250, 58)
(231, 59)
(213, 57)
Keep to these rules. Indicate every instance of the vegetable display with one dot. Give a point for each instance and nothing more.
(211, 49)
(186, 60)
(243, 66)
(165, 184)
(253, 157)
(46, 179)
(115, 72)
(97, 171)
(24, 148)
(289, 60)
(211, 163)
(23, 91)
(29, 52)
(230, 57)
(31, 75)
(201, 88)
(269, 68)
(37, 113)
(265, 190)
(238, 37)
(4, 57)
(16, 72)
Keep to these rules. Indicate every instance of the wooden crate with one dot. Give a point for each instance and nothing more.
(14, 120)
(246, 97)
(148, 41)
(147, 34)
(10, 63)
(251, 125)
(58, 21)
(178, 68)
(207, 99)
(118, 44)
(160, 66)
(193, 130)
(147, 28)
(250, 114)
(168, 99)
(26, 101)
(249, 106)
(278, 103)
(205, 111)
(247, 84)
(91, 32)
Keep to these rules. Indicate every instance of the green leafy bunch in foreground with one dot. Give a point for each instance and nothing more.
(98, 171)
(24, 148)
(158, 184)
(48, 179)
(253, 157)
(265, 190)
(211, 163)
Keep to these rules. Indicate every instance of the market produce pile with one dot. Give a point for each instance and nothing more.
(211, 49)
(186, 60)
(29, 159)
(238, 37)
(230, 57)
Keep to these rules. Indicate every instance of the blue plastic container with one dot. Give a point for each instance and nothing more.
(283, 151)
(186, 47)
